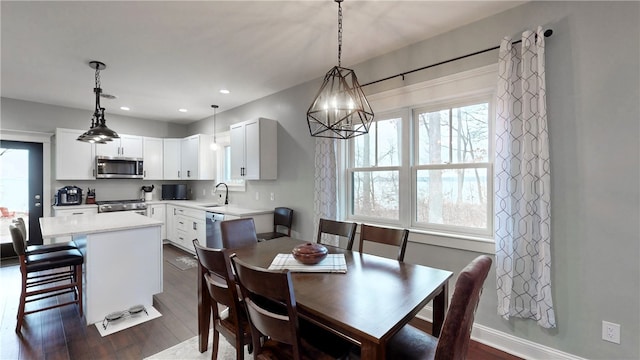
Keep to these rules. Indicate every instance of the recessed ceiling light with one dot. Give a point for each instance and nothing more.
(224, 91)
(125, 108)
(183, 110)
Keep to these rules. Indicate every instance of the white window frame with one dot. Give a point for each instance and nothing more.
(456, 88)
(223, 140)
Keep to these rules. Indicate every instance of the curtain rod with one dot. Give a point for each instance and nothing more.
(547, 33)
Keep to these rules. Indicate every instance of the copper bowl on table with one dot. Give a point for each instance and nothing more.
(309, 253)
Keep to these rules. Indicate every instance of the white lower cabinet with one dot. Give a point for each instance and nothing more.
(187, 224)
(158, 212)
(70, 211)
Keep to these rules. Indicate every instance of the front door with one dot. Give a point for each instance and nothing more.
(20, 191)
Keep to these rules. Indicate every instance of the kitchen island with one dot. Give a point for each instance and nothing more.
(122, 258)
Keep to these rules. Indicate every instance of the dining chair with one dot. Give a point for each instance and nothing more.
(232, 323)
(387, 236)
(412, 344)
(339, 228)
(46, 275)
(40, 249)
(282, 218)
(273, 314)
(238, 232)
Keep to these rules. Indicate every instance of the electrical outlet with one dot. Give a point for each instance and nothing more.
(257, 195)
(272, 197)
(611, 332)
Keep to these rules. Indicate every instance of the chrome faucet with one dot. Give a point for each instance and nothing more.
(226, 194)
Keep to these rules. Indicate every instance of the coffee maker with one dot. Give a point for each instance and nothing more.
(68, 195)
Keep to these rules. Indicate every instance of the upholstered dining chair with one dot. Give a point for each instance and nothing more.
(282, 218)
(346, 230)
(271, 305)
(232, 323)
(238, 233)
(387, 236)
(45, 275)
(411, 344)
(40, 249)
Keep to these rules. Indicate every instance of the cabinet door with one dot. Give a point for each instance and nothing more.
(236, 138)
(152, 156)
(111, 148)
(171, 158)
(189, 155)
(158, 212)
(75, 160)
(131, 146)
(252, 150)
(171, 223)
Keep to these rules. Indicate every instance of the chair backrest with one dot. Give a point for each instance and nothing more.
(23, 228)
(388, 236)
(216, 269)
(19, 243)
(339, 228)
(238, 233)
(454, 338)
(271, 305)
(282, 216)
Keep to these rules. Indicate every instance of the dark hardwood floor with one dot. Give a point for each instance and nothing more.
(61, 334)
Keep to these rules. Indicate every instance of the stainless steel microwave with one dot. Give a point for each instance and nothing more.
(108, 167)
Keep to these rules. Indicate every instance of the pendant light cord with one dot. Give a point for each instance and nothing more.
(339, 32)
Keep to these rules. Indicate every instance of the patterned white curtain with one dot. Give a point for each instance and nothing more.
(522, 181)
(325, 199)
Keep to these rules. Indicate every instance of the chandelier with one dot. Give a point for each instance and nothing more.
(99, 133)
(340, 109)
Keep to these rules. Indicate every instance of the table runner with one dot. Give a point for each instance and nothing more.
(333, 263)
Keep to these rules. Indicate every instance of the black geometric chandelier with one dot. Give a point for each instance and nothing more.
(340, 110)
(99, 133)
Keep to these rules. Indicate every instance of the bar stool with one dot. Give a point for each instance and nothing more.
(282, 217)
(45, 275)
(40, 249)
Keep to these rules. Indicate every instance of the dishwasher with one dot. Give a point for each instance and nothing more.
(214, 239)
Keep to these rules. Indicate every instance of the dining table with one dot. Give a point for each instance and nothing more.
(367, 304)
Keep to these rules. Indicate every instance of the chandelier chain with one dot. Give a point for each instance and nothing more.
(97, 77)
(339, 33)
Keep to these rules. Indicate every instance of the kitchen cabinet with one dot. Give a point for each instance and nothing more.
(158, 212)
(171, 159)
(170, 222)
(187, 224)
(254, 149)
(152, 149)
(198, 159)
(74, 160)
(72, 210)
(126, 146)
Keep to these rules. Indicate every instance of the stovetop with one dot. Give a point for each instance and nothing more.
(120, 205)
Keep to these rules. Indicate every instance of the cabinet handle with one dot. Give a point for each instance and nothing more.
(195, 227)
(78, 213)
(144, 173)
(178, 173)
(188, 173)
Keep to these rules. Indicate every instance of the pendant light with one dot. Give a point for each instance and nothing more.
(340, 110)
(99, 133)
(214, 145)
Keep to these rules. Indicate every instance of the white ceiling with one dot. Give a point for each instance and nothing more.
(162, 56)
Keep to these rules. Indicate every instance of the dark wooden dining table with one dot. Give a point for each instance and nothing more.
(368, 304)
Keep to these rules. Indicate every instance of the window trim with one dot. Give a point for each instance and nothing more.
(466, 85)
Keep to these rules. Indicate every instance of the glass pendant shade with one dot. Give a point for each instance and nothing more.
(340, 110)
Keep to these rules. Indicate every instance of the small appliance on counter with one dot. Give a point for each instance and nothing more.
(91, 196)
(174, 192)
(147, 192)
(68, 195)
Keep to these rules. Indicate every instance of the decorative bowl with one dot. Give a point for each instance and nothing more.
(309, 253)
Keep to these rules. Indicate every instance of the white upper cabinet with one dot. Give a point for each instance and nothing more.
(254, 149)
(198, 158)
(171, 159)
(126, 146)
(153, 158)
(75, 160)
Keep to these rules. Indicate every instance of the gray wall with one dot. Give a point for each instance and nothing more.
(593, 62)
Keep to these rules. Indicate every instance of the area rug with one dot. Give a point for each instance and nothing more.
(189, 350)
(128, 321)
(183, 262)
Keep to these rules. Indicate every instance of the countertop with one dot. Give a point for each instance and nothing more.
(94, 223)
(194, 204)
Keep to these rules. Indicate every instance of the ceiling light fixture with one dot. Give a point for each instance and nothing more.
(183, 110)
(214, 145)
(99, 132)
(340, 110)
(125, 108)
(224, 91)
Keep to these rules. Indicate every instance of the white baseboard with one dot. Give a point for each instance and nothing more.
(508, 343)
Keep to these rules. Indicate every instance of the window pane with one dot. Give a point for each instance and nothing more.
(375, 194)
(388, 140)
(470, 129)
(433, 137)
(365, 148)
(452, 197)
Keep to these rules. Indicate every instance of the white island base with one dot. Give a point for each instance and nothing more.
(122, 259)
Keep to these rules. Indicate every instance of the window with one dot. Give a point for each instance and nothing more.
(224, 164)
(427, 168)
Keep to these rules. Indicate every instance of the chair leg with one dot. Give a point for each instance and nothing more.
(239, 348)
(215, 344)
(23, 298)
(78, 274)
